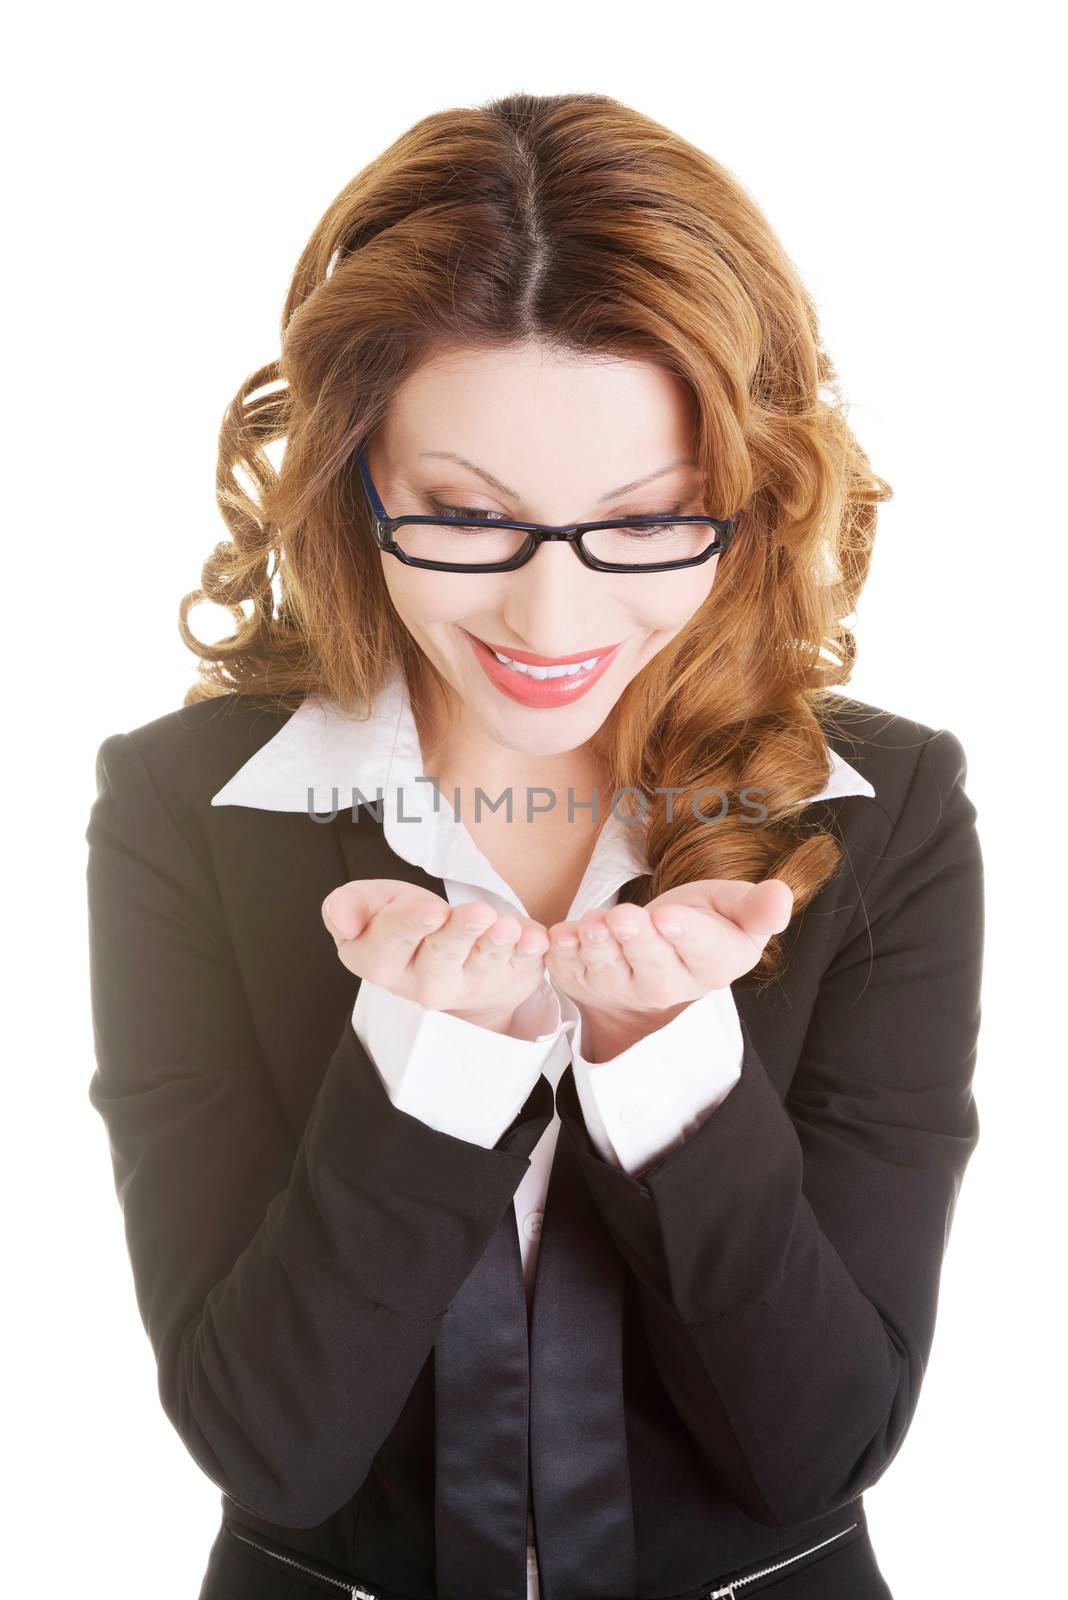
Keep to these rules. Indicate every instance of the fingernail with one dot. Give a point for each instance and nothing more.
(668, 929)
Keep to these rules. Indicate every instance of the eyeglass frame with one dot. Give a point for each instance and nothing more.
(384, 526)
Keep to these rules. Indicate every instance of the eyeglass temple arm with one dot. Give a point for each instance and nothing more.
(368, 482)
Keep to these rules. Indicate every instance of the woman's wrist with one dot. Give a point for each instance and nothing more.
(606, 1034)
(495, 1021)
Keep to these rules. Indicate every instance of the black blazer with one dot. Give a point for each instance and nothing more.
(720, 1355)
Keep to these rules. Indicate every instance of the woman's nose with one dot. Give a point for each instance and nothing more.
(557, 605)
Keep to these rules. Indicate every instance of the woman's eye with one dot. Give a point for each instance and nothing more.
(464, 513)
(675, 511)
(481, 514)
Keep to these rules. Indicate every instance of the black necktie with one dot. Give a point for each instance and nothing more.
(580, 1474)
(584, 1524)
(481, 1385)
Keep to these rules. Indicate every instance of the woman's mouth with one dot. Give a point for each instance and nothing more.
(536, 681)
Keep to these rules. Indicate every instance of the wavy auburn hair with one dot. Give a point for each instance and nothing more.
(573, 220)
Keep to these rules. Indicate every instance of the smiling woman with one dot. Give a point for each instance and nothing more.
(557, 1199)
(534, 403)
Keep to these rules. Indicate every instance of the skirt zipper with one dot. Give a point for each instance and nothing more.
(728, 1590)
(354, 1590)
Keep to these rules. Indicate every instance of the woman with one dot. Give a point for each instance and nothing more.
(531, 731)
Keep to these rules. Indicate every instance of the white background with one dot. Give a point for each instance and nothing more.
(164, 169)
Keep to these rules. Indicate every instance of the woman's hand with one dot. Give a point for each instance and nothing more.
(445, 957)
(631, 969)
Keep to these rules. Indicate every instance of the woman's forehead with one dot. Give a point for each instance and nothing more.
(514, 421)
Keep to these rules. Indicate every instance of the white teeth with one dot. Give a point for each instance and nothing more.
(547, 672)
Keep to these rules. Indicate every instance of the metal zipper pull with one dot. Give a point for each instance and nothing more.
(354, 1589)
(727, 1592)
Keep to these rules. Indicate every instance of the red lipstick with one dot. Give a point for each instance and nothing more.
(540, 692)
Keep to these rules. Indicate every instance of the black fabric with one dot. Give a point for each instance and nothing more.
(585, 1526)
(722, 1353)
(482, 1390)
(841, 1566)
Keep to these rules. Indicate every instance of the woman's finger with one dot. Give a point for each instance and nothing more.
(642, 945)
(759, 909)
(598, 947)
(348, 910)
(387, 943)
(451, 944)
(513, 941)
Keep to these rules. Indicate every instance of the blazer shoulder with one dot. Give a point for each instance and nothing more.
(197, 748)
(900, 755)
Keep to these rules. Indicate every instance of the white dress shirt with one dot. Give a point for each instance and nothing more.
(455, 1076)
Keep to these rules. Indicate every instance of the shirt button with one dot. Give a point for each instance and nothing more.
(532, 1224)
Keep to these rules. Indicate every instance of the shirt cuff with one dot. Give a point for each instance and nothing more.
(654, 1095)
(454, 1075)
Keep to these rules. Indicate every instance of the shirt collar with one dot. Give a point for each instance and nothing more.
(324, 758)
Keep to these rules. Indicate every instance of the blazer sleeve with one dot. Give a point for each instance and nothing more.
(788, 1255)
(291, 1285)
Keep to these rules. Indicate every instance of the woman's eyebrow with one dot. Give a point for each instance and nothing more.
(513, 494)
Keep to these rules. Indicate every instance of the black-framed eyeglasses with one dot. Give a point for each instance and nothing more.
(477, 543)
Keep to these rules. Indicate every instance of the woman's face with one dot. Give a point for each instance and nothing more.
(561, 437)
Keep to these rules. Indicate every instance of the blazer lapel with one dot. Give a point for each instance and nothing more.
(365, 852)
